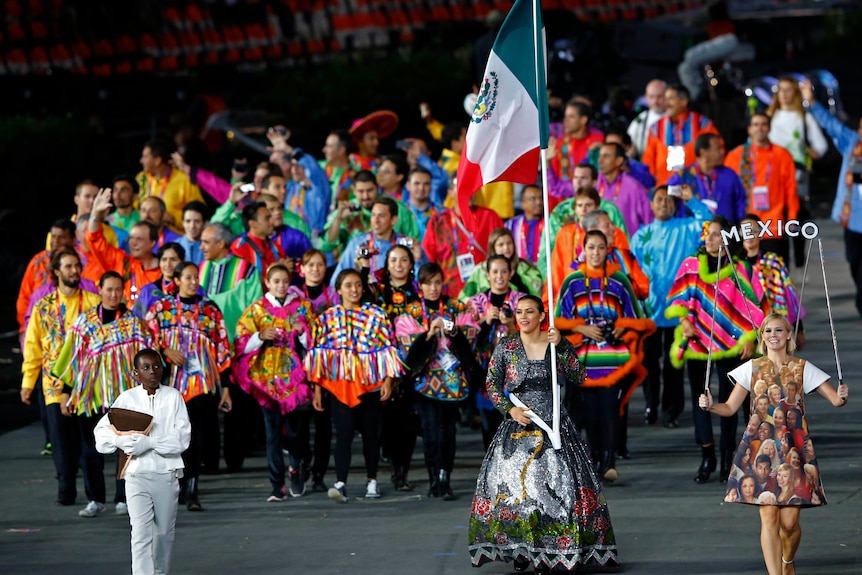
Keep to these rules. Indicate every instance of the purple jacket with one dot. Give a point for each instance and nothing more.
(630, 197)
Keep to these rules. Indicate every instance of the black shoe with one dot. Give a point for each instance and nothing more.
(446, 489)
(707, 464)
(624, 454)
(650, 416)
(671, 423)
(521, 564)
(192, 503)
(317, 484)
(433, 482)
(64, 502)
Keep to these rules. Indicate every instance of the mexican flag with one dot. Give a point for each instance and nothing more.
(510, 121)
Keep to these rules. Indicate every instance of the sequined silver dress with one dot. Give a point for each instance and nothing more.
(534, 503)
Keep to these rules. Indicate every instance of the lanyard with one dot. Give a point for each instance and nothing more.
(181, 325)
(755, 153)
(529, 240)
(469, 235)
(61, 309)
(426, 317)
(604, 286)
(619, 184)
(322, 292)
(708, 182)
(151, 181)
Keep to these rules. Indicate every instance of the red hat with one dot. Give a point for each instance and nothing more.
(383, 122)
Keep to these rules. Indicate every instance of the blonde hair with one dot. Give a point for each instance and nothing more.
(796, 104)
(791, 342)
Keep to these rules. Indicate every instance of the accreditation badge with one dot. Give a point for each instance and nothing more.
(466, 266)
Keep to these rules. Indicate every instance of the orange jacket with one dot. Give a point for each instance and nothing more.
(772, 167)
(683, 131)
(132, 271)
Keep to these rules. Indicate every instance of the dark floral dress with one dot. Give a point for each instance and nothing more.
(533, 502)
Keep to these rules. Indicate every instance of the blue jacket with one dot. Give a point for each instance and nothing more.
(660, 248)
(845, 141)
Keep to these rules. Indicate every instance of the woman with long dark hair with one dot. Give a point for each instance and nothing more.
(352, 355)
(190, 330)
(536, 504)
(440, 361)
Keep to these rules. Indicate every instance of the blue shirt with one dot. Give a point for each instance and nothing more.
(660, 248)
(193, 250)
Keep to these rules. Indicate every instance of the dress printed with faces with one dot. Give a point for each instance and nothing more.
(782, 423)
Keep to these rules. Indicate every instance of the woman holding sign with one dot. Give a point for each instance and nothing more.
(535, 504)
(780, 532)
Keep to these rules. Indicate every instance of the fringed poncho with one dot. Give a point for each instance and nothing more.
(96, 359)
(272, 372)
(198, 331)
(594, 297)
(692, 296)
(777, 286)
(352, 352)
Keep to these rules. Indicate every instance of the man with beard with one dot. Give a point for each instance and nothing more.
(124, 190)
(52, 317)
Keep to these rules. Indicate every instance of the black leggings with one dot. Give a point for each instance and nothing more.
(439, 420)
(601, 418)
(364, 418)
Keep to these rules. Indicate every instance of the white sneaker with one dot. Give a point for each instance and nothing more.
(338, 492)
(121, 508)
(371, 491)
(92, 509)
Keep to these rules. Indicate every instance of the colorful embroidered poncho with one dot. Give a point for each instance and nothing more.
(445, 367)
(273, 373)
(198, 331)
(352, 352)
(594, 297)
(692, 296)
(97, 358)
(777, 286)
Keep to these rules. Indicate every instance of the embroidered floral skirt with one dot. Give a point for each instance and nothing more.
(539, 504)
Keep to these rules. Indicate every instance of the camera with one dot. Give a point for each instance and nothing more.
(674, 191)
(246, 188)
(355, 207)
(403, 145)
(405, 241)
(280, 130)
(448, 325)
(608, 332)
(366, 252)
(507, 311)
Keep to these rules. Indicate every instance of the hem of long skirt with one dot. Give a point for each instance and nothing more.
(587, 556)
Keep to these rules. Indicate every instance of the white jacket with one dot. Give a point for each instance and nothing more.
(170, 433)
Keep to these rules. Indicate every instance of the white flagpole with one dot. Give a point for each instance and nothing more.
(541, 59)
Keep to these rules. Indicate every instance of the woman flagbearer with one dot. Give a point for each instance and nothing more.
(535, 504)
(190, 330)
(270, 336)
(352, 355)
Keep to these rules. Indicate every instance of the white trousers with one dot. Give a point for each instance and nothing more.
(152, 501)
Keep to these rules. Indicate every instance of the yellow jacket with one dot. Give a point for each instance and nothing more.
(45, 335)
